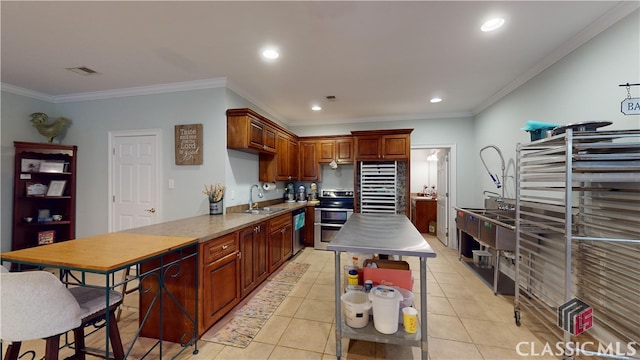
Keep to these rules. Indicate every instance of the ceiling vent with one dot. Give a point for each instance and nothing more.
(82, 70)
(330, 97)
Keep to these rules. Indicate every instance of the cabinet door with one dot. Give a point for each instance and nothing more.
(261, 255)
(256, 133)
(287, 242)
(282, 158)
(247, 261)
(395, 147)
(344, 151)
(309, 219)
(367, 147)
(308, 161)
(269, 139)
(326, 151)
(294, 159)
(275, 249)
(221, 288)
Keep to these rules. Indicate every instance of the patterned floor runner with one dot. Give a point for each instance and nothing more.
(250, 318)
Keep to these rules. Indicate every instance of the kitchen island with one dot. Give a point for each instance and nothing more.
(389, 235)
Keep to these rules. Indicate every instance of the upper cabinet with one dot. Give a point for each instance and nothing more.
(338, 149)
(382, 144)
(44, 189)
(283, 166)
(249, 131)
(309, 165)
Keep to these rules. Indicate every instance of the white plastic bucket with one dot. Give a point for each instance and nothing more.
(356, 306)
(386, 302)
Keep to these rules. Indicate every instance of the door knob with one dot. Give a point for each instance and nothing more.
(152, 210)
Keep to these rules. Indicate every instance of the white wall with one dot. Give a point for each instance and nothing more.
(583, 86)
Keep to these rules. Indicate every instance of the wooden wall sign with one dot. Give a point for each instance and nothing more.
(188, 144)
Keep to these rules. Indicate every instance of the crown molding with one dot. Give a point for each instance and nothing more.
(614, 15)
(411, 117)
(26, 92)
(144, 90)
(247, 96)
(107, 94)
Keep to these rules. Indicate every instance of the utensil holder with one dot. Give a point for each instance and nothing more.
(216, 207)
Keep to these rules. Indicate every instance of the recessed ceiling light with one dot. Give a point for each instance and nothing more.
(435, 100)
(492, 24)
(316, 108)
(270, 54)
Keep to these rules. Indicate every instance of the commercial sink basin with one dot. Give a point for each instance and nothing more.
(494, 228)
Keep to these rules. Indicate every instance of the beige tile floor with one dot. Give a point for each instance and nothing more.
(465, 319)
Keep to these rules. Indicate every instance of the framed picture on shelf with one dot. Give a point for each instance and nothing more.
(46, 237)
(52, 166)
(36, 189)
(56, 187)
(30, 165)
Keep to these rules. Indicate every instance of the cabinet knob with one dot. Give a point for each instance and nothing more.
(152, 210)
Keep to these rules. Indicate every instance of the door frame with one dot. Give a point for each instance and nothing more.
(452, 186)
(157, 133)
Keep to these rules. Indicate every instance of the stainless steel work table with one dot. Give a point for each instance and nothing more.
(386, 234)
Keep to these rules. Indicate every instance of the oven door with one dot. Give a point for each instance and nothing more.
(327, 224)
(324, 233)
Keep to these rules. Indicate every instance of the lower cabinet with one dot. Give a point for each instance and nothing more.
(219, 279)
(280, 240)
(253, 257)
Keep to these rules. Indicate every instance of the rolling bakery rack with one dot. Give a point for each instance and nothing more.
(578, 240)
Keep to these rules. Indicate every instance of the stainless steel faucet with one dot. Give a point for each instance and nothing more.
(260, 194)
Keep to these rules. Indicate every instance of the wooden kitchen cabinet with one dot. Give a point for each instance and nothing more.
(309, 226)
(280, 240)
(283, 166)
(339, 149)
(249, 131)
(219, 279)
(423, 211)
(36, 166)
(253, 257)
(382, 144)
(309, 165)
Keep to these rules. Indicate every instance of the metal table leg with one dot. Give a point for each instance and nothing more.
(338, 310)
(424, 345)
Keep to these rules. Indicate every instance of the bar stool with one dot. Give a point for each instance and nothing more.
(35, 305)
(92, 304)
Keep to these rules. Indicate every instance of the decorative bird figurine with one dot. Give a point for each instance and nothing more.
(49, 130)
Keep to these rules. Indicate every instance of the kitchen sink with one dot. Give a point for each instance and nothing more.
(264, 210)
(492, 227)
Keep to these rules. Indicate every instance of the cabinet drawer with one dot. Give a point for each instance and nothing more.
(218, 248)
(280, 222)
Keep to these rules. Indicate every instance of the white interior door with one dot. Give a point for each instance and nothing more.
(134, 179)
(443, 196)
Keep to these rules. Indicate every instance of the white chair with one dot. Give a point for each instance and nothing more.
(35, 305)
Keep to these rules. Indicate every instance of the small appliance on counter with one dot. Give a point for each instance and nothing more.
(302, 194)
(289, 193)
(313, 195)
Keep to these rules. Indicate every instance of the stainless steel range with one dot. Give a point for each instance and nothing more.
(335, 207)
